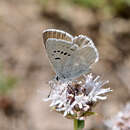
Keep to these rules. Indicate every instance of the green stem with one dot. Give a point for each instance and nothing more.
(78, 124)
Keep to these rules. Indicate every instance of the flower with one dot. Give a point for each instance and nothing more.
(75, 99)
(121, 121)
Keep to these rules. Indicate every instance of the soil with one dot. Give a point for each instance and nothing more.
(23, 56)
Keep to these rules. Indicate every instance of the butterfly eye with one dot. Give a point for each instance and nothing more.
(54, 51)
(62, 52)
(68, 54)
(57, 78)
(58, 51)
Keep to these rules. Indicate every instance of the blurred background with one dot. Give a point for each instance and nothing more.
(25, 69)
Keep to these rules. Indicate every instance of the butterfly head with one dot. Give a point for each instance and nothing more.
(62, 78)
(59, 78)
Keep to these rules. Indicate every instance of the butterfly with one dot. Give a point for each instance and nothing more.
(70, 56)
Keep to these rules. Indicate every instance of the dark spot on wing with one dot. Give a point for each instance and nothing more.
(65, 53)
(58, 58)
(62, 52)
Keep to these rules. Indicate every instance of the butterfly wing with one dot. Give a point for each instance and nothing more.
(56, 34)
(57, 44)
(70, 57)
(58, 51)
(82, 40)
(81, 60)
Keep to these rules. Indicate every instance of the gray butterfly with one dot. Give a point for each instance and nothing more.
(70, 56)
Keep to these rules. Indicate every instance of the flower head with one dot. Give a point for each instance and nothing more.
(75, 99)
(121, 121)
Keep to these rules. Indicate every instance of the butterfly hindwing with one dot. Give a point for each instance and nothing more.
(80, 62)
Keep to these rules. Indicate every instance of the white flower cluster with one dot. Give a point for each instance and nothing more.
(77, 97)
(121, 121)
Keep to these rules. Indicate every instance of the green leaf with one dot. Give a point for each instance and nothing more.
(6, 82)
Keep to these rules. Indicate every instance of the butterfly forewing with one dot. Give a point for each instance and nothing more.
(56, 34)
(58, 51)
